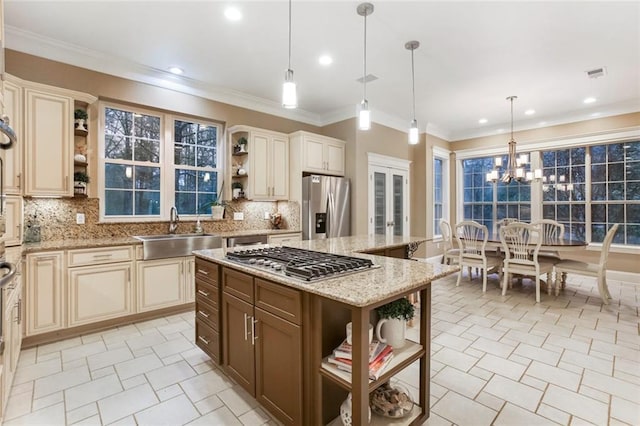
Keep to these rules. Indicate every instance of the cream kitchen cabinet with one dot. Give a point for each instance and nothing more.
(45, 304)
(13, 216)
(12, 158)
(163, 282)
(190, 290)
(48, 143)
(12, 334)
(318, 154)
(100, 284)
(48, 138)
(266, 164)
(284, 238)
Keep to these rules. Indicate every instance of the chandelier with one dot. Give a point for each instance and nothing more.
(515, 167)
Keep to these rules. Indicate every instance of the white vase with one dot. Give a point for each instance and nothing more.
(345, 411)
(80, 124)
(217, 212)
(391, 331)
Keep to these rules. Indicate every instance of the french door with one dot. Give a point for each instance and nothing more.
(388, 201)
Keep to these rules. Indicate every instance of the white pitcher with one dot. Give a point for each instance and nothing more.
(391, 331)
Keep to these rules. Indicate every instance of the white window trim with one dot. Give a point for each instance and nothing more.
(101, 163)
(170, 184)
(444, 155)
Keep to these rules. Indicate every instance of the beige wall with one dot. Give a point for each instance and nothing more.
(380, 139)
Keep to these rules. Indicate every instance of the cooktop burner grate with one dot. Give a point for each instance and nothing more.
(307, 265)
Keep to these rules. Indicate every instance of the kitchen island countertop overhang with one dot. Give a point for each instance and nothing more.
(394, 277)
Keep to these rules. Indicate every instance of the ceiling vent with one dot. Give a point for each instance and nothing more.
(598, 72)
(369, 78)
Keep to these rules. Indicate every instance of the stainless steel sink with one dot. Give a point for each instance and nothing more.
(176, 245)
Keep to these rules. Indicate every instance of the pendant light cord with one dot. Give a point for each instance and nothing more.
(511, 98)
(289, 34)
(364, 75)
(413, 85)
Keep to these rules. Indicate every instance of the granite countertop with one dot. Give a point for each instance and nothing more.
(394, 277)
(123, 241)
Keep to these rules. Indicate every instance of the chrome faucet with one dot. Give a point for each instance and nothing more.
(173, 220)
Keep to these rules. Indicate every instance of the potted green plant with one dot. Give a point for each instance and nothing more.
(217, 206)
(393, 321)
(80, 117)
(242, 143)
(80, 181)
(237, 189)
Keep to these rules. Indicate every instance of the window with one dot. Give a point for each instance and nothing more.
(488, 202)
(139, 176)
(440, 197)
(615, 191)
(195, 166)
(564, 189)
(132, 168)
(437, 195)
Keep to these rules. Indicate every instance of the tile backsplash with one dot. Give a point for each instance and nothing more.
(57, 219)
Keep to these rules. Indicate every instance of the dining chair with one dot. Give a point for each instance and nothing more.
(598, 270)
(518, 240)
(550, 230)
(472, 240)
(450, 253)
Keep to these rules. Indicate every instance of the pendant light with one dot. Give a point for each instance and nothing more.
(414, 132)
(289, 95)
(364, 114)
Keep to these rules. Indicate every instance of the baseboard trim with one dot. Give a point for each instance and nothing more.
(54, 336)
(624, 276)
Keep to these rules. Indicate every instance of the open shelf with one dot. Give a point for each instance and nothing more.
(402, 358)
(377, 420)
(80, 163)
(80, 132)
(239, 154)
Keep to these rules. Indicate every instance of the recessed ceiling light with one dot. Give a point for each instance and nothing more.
(483, 121)
(325, 60)
(596, 114)
(500, 131)
(176, 70)
(542, 123)
(232, 14)
(589, 100)
(530, 112)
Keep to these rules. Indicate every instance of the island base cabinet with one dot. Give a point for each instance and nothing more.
(263, 347)
(208, 340)
(279, 367)
(238, 346)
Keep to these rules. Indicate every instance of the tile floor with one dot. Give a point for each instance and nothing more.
(503, 361)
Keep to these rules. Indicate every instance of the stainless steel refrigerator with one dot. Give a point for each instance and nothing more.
(326, 207)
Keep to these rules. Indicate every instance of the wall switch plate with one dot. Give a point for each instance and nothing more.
(80, 218)
(238, 216)
(267, 215)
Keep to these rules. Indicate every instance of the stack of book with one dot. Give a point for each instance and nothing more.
(380, 354)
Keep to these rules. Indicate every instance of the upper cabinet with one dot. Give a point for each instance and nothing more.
(261, 166)
(41, 164)
(48, 143)
(12, 158)
(318, 154)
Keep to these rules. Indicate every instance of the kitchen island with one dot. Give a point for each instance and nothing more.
(275, 330)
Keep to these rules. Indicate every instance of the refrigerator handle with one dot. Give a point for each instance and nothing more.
(330, 213)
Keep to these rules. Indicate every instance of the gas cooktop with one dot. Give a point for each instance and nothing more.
(307, 265)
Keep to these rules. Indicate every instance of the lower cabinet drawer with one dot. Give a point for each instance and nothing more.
(208, 340)
(207, 314)
(207, 293)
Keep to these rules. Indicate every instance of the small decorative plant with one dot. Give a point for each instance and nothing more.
(242, 144)
(81, 177)
(398, 309)
(80, 114)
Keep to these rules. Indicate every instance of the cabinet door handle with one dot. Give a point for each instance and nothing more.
(253, 330)
(245, 326)
(203, 272)
(202, 339)
(203, 293)
(19, 179)
(66, 182)
(20, 311)
(204, 314)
